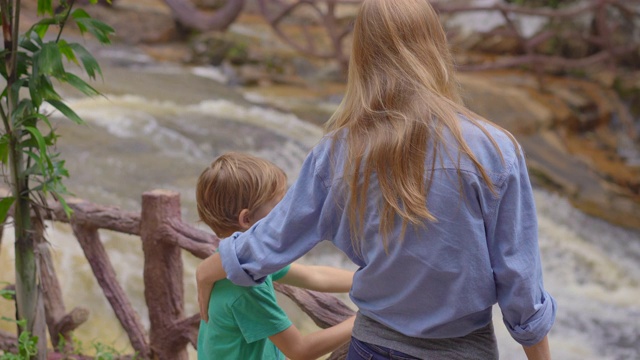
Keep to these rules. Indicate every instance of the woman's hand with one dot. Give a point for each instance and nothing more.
(539, 351)
(318, 278)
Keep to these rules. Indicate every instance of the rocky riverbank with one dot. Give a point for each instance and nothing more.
(576, 141)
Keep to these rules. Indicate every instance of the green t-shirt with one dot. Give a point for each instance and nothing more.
(241, 319)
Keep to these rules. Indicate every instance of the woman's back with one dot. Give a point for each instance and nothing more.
(439, 280)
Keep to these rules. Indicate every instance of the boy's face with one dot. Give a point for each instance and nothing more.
(265, 209)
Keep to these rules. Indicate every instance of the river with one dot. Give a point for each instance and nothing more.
(159, 125)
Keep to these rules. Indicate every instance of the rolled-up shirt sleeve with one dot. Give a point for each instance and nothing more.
(512, 235)
(290, 230)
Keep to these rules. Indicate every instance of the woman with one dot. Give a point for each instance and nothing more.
(432, 202)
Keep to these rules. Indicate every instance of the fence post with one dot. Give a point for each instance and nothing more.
(89, 239)
(163, 284)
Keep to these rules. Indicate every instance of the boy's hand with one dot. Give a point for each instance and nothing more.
(207, 273)
(204, 295)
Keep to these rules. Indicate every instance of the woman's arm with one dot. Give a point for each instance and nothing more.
(318, 278)
(305, 216)
(512, 238)
(297, 347)
(539, 351)
(208, 272)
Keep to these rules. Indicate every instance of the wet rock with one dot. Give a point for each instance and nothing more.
(175, 52)
(489, 44)
(135, 26)
(516, 112)
(568, 136)
(210, 48)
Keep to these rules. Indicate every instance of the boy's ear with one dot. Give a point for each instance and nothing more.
(244, 220)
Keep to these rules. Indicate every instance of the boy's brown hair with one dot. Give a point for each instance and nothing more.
(233, 182)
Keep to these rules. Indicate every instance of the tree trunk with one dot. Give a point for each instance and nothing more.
(29, 302)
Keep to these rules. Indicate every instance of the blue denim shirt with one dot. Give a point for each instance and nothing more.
(441, 280)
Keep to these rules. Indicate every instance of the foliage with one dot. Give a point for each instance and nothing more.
(29, 64)
(102, 351)
(7, 294)
(106, 352)
(39, 61)
(27, 344)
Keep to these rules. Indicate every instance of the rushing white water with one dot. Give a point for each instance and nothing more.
(164, 127)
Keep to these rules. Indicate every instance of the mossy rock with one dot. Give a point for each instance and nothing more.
(214, 48)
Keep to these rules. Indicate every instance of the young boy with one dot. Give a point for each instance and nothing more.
(232, 194)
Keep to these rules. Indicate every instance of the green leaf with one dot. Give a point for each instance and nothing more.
(29, 143)
(35, 90)
(49, 60)
(97, 28)
(35, 133)
(66, 111)
(37, 162)
(80, 13)
(3, 64)
(80, 84)
(67, 51)
(90, 63)
(65, 206)
(45, 7)
(24, 62)
(4, 148)
(4, 318)
(60, 170)
(41, 27)
(41, 30)
(22, 112)
(23, 65)
(41, 89)
(46, 89)
(5, 205)
(27, 42)
(15, 91)
(7, 294)
(41, 117)
(34, 170)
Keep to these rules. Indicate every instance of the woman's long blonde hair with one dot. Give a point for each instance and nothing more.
(401, 94)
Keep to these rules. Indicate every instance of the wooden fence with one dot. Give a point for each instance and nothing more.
(164, 236)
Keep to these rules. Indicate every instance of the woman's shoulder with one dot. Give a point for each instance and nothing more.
(329, 143)
(328, 152)
(495, 148)
(479, 133)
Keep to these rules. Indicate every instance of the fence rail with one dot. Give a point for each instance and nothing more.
(164, 236)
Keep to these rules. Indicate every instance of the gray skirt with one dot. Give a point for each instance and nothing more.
(478, 345)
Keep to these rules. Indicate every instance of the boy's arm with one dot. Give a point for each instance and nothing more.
(208, 272)
(318, 278)
(296, 347)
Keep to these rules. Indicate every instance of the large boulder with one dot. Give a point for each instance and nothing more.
(569, 136)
